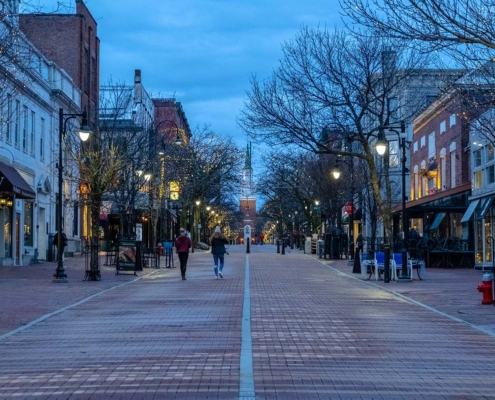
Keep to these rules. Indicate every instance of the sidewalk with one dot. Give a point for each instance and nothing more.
(452, 291)
(27, 292)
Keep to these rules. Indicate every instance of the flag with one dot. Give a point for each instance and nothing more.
(213, 200)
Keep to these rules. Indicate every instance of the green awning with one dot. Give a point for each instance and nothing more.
(486, 206)
(438, 220)
(470, 210)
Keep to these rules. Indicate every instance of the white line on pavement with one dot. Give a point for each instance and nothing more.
(246, 389)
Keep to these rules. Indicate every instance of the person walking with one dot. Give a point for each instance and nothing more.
(218, 242)
(183, 244)
(262, 239)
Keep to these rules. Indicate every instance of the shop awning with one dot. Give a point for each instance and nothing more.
(469, 212)
(13, 183)
(438, 220)
(486, 206)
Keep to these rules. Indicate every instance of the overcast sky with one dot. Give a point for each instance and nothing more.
(202, 51)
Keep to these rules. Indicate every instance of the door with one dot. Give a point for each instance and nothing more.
(42, 234)
(17, 238)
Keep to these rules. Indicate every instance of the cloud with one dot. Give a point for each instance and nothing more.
(204, 51)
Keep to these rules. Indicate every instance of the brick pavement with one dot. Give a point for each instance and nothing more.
(317, 333)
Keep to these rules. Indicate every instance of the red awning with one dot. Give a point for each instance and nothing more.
(13, 183)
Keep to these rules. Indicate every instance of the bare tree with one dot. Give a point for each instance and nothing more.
(464, 29)
(209, 168)
(331, 88)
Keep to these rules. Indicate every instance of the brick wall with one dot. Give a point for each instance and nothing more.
(64, 39)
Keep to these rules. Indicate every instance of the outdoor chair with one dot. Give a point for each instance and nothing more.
(396, 266)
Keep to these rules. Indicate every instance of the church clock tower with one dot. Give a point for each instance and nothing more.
(248, 197)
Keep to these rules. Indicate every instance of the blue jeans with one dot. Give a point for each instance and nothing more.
(216, 258)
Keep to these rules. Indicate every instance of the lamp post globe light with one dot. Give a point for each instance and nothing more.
(381, 147)
(84, 131)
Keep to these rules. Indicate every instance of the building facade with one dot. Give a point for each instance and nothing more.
(71, 41)
(35, 90)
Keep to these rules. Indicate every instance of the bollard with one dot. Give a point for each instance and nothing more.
(278, 246)
(283, 246)
(386, 272)
(248, 244)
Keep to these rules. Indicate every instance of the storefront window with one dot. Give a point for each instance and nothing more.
(479, 241)
(28, 224)
(7, 231)
(488, 243)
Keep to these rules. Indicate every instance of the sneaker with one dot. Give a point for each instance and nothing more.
(216, 276)
(220, 274)
(183, 278)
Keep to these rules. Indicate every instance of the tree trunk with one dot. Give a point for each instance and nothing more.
(94, 274)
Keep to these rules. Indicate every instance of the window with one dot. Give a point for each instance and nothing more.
(24, 129)
(490, 174)
(443, 181)
(42, 140)
(17, 122)
(393, 152)
(489, 152)
(452, 120)
(424, 183)
(32, 134)
(431, 145)
(393, 108)
(452, 169)
(416, 183)
(431, 186)
(8, 128)
(28, 224)
(415, 147)
(423, 142)
(75, 225)
(443, 127)
(86, 71)
(478, 181)
(477, 158)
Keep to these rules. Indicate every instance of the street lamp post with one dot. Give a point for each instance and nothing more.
(197, 221)
(336, 174)
(60, 276)
(381, 147)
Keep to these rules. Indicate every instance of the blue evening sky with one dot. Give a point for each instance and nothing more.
(203, 52)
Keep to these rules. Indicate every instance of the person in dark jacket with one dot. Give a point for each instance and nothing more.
(182, 245)
(218, 250)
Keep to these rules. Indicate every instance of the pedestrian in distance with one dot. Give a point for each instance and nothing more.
(262, 239)
(182, 245)
(218, 242)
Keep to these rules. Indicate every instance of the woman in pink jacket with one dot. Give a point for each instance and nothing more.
(182, 245)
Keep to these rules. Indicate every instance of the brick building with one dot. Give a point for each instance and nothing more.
(440, 183)
(71, 41)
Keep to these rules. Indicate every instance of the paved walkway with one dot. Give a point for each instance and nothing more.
(293, 327)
